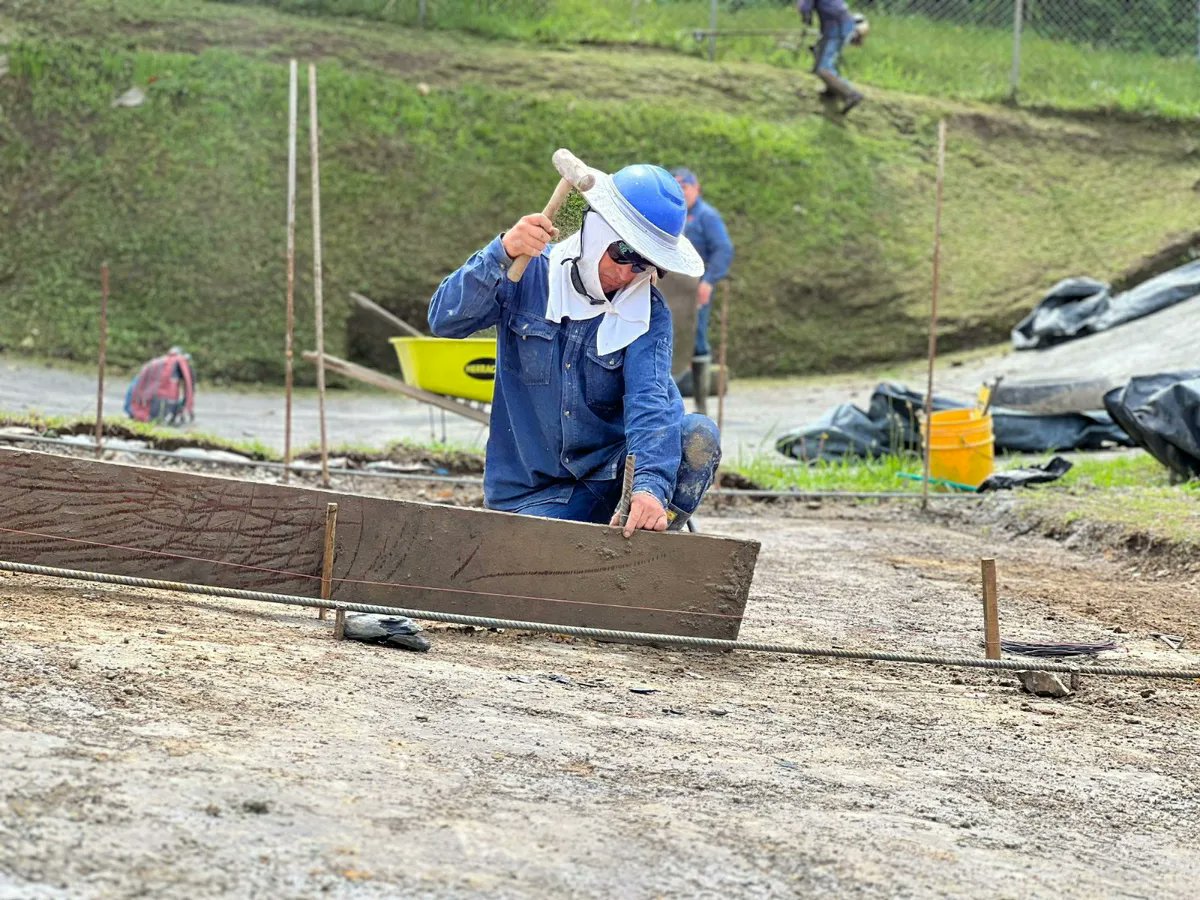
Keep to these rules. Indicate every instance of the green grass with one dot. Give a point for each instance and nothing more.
(184, 197)
(772, 472)
(1130, 497)
(903, 53)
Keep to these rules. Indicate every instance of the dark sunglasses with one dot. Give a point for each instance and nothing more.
(619, 252)
(624, 255)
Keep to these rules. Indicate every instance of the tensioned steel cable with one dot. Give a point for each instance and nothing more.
(602, 634)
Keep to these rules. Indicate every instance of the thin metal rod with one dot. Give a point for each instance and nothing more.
(1014, 80)
(933, 307)
(603, 634)
(701, 33)
(627, 490)
(712, 31)
(318, 304)
(102, 359)
(290, 332)
(475, 481)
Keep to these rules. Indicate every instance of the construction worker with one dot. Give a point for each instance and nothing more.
(838, 28)
(583, 359)
(706, 230)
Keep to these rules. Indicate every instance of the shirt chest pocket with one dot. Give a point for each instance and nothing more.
(529, 348)
(603, 378)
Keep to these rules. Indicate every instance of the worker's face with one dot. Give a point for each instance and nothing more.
(690, 192)
(614, 275)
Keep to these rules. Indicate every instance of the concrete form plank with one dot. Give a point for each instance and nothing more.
(175, 526)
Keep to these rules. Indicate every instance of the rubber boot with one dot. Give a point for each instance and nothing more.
(841, 88)
(700, 377)
(677, 519)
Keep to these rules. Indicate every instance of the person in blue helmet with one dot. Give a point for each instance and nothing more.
(583, 359)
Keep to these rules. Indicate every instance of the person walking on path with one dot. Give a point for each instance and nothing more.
(706, 230)
(583, 359)
(838, 28)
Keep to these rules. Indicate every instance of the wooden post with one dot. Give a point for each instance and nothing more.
(291, 271)
(103, 359)
(721, 355)
(937, 257)
(319, 307)
(991, 612)
(394, 320)
(712, 29)
(327, 560)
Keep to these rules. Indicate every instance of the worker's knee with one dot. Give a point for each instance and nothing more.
(701, 442)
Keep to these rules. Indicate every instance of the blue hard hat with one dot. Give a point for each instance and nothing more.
(654, 193)
(644, 204)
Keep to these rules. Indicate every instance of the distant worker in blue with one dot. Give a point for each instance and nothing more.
(583, 359)
(706, 230)
(839, 27)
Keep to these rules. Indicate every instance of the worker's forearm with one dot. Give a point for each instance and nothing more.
(469, 299)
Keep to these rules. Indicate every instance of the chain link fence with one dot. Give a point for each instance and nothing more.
(1163, 27)
(1134, 53)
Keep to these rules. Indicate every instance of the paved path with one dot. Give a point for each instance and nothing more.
(756, 411)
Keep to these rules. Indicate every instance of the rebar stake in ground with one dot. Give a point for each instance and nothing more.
(327, 566)
(626, 490)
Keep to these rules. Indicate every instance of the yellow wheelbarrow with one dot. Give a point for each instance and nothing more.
(463, 368)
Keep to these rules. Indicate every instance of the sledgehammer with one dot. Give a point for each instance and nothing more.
(574, 175)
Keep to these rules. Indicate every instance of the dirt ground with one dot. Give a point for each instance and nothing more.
(164, 745)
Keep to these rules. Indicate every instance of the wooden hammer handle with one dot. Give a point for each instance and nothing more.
(574, 175)
(517, 269)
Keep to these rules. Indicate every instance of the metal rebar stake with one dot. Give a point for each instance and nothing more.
(626, 490)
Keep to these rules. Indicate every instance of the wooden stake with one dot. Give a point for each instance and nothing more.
(103, 359)
(394, 320)
(319, 307)
(291, 271)
(721, 354)
(722, 379)
(991, 612)
(937, 258)
(327, 561)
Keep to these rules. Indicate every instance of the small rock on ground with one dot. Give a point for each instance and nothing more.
(392, 631)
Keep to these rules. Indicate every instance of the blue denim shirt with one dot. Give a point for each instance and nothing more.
(832, 13)
(562, 412)
(706, 230)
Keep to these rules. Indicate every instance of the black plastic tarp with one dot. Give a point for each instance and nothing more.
(1076, 307)
(890, 425)
(1162, 414)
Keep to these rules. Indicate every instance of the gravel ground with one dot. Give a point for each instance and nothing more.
(171, 746)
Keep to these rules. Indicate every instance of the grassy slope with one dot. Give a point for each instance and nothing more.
(184, 196)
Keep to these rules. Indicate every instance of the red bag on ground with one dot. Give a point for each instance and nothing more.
(164, 390)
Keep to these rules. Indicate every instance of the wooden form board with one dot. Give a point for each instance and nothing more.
(154, 523)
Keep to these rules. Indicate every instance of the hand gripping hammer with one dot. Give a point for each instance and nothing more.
(574, 175)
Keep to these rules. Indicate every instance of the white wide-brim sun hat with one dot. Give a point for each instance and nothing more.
(665, 250)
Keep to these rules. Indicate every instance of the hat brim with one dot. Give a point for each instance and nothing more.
(675, 254)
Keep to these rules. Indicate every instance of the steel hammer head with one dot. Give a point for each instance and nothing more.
(572, 169)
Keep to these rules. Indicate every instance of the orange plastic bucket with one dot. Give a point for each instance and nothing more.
(961, 446)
